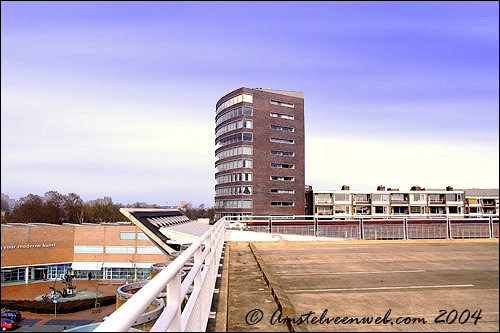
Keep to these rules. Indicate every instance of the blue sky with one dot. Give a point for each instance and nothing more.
(118, 98)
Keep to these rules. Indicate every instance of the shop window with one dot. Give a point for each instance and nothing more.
(141, 235)
(127, 234)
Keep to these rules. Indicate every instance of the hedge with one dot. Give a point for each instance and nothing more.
(62, 307)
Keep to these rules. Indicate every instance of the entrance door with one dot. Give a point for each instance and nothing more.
(39, 273)
(52, 272)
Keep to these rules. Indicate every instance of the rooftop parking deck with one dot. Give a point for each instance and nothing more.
(357, 279)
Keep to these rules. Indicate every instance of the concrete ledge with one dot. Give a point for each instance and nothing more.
(279, 295)
(375, 241)
(222, 307)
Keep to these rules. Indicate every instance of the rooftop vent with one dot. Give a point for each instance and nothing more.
(381, 188)
(449, 188)
(345, 187)
(415, 188)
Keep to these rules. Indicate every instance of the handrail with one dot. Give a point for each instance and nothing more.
(246, 218)
(372, 226)
(206, 267)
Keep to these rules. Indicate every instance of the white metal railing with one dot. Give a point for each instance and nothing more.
(206, 252)
(372, 226)
(297, 218)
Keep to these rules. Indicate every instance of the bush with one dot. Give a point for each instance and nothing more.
(62, 307)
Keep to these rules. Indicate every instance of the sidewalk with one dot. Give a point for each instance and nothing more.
(29, 291)
(82, 315)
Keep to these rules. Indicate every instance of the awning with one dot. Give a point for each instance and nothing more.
(127, 265)
(86, 266)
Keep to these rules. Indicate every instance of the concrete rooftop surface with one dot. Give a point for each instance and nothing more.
(335, 285)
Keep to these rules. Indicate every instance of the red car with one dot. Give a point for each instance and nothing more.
(8, 324)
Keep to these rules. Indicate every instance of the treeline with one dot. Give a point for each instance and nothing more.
(57, 208)
(196, 213)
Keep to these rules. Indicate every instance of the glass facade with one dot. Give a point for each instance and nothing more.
(233, 190)
(245, 110)
(248, 137)
(233, 204)
(236, 99)
(83, 274)
(234, 177)
(126, 273)
(17, 274)
(39, 272)
(56, 270)
(234, 164)
(13, 274)
(243, 123)
(243, 150)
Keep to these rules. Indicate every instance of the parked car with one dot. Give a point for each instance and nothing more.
(8, 324)
(12, 315)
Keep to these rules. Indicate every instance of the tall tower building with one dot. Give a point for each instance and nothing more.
(259, 137)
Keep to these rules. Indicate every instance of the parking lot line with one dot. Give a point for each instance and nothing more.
(347, 273)
(379, 288)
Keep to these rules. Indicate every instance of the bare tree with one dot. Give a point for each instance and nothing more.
(5, 205)
(31, 208)
(74, 208)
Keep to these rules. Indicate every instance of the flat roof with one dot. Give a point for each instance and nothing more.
(40, 224)
(297, 94)
(414, 279)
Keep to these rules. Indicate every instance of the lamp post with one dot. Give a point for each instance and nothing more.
(55, 306)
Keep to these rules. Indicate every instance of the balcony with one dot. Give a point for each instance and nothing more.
(324, 202)
(399, 202)
(436, 201)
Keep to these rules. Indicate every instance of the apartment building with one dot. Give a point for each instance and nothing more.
(417, 202)
(481, 201)
(259, 137)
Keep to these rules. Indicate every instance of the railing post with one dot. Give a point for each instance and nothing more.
(405, 229)
(448, 228)
(174, 298)
(315, 226)
(197, 261)
(211, 248)
(490, 226)
(361, 231)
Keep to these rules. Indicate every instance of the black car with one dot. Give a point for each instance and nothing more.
(12, 315)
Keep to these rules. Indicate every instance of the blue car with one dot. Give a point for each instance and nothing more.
(12, 315)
